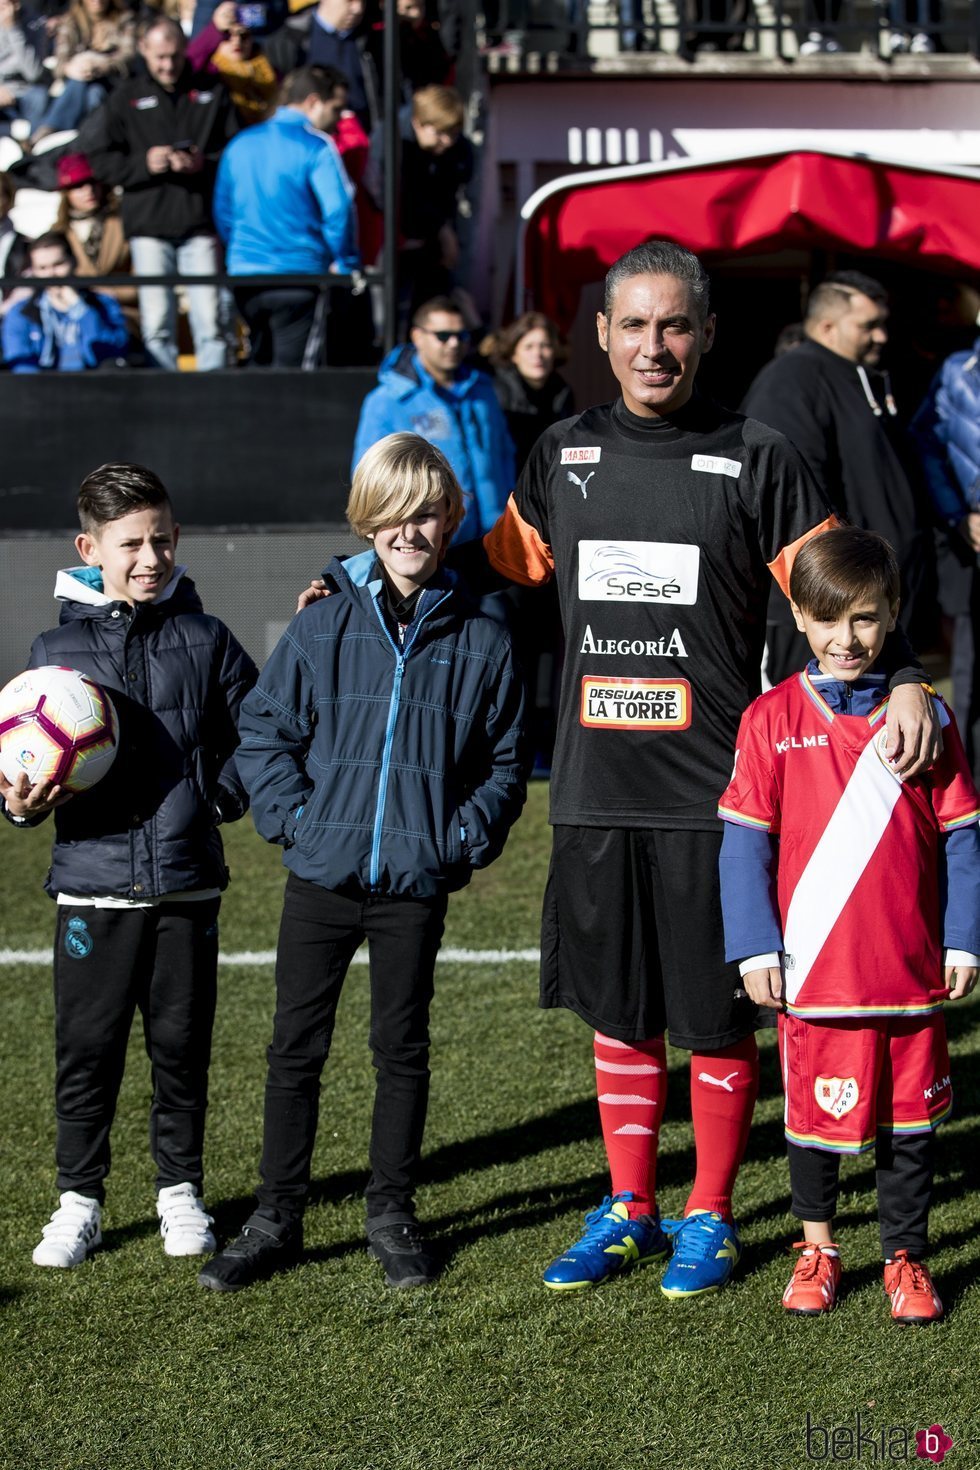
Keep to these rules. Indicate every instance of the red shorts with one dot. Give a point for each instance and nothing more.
(844, 1079)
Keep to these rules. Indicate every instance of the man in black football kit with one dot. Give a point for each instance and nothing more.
(661, 517)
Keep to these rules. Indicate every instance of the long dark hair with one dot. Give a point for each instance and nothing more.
(500, 346)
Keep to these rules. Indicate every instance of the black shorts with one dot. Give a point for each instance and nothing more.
(632, 937)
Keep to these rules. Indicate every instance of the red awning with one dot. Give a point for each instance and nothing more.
(577, 226)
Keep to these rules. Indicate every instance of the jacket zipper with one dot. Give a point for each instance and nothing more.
(401, 654)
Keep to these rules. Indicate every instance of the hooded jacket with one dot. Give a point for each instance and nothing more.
(392, 767)
(177, 678)
(946, 430)
(464, 421)
(842, 419)
(32, 333)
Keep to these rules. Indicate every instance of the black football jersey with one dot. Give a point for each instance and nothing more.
(664, 536)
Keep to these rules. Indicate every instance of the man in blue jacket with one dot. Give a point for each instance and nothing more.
(946, 431)
(60, 329)
(283, 205)
(424, 388)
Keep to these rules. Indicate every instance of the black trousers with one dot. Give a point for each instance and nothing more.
(109, 963)
(318, 936)
(904, 1167)
(279, 321)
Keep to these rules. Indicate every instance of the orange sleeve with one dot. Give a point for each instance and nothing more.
(782, 565)
(516, 550)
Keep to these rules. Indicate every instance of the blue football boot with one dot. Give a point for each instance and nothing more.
(612, 1242)
(706, 1252)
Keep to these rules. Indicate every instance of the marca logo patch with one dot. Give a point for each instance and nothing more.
(638, 571)
(635, 704)
(836, 1095)
(589, 454)
(713, 464)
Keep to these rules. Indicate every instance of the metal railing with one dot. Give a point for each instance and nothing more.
(324, 284)
(569, 34)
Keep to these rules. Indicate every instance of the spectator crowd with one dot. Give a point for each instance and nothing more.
(187, 140)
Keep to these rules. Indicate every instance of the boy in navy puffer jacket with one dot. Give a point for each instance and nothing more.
(383, 749)
(137, 867)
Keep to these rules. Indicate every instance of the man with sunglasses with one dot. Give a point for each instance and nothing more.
(425, 387)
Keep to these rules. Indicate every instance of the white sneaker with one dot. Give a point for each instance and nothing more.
(184, 1224)
(922, 45)
(73, 1230)
(898, 43)
(813, 45)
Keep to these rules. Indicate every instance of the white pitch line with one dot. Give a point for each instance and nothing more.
(268, 956)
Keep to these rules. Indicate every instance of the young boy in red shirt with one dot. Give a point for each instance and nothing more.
(839, 925)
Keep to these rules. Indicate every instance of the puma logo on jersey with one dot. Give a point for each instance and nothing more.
(581, 483)
(725, 1082)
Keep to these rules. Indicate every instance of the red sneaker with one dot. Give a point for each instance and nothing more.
(812, 1288)
(908, 1285)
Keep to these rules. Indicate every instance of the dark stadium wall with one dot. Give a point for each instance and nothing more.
(258, 466)
(237, 448)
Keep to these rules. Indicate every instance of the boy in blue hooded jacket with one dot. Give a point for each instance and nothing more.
(383, 749)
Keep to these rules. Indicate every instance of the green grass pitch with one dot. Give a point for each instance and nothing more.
(126, 1364)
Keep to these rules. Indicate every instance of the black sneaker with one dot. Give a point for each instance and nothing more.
(264, 1247)
(403, 1253)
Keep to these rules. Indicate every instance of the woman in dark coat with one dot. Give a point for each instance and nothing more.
(531, 393)
(533, 396)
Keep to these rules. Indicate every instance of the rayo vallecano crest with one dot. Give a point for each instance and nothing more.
(836, 1095)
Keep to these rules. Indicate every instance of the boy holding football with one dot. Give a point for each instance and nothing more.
(835, 910)
(137, 867)
(383, 749)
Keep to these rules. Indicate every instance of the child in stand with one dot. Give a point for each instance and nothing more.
(840, 923)
(137, 868)
(383, 749)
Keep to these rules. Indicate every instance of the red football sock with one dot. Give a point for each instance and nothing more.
(724, 1086)
(631, 1079)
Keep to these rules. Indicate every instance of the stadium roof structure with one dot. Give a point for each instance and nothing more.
(813, 198)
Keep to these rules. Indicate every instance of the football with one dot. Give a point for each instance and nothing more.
(56, 725)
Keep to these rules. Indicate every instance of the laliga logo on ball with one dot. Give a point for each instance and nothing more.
(57, 725)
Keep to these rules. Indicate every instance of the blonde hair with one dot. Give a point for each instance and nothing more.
(441, 106)
(395, 478)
